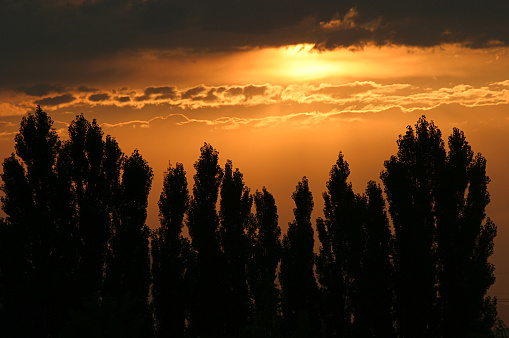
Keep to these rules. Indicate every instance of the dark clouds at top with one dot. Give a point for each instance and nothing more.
(52, 34)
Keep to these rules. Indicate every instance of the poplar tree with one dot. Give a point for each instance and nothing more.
(170, 256)
(339, 262)
(87, 166)
(465, 242)
(374, 315)
(265, 254)
(443, 239)
(234, 214)
(37, 261)
(298, 283)
(410, 180)
(208, 313)
(128, 265)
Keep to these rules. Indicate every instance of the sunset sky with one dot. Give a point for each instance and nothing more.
(279, 87)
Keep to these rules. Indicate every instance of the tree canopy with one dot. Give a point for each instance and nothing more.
(405, 258)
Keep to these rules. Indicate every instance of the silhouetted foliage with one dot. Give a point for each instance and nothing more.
(128, 265)
(465, 242)
(235, 211)
(171, 254)
(410, 180)
(75, 260)
(342, 240)
(105, 318)
(353, 264)
(437, 204)
(375, 291)
(265, 253)
(37, 262)
(209, 309)
(298, 284)
(89, 160)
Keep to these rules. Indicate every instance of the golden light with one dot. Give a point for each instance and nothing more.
(302, 63)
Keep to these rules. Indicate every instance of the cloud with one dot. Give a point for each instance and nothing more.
(194, 92)
(56, 100)
(99, 97)
(59, 32)
(41, 89)
(348, 102)
(354, 96)
(85, 89)
(123, 99)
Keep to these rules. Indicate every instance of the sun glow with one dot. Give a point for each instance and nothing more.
(303, 63)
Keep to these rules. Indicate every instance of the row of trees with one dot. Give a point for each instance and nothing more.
(75, 258)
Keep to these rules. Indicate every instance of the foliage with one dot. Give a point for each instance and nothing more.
(298, 283)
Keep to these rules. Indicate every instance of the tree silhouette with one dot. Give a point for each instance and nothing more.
(128, 266)
(37, 259)
(373, 315)
(208, 313)
(339, 261)
(265, 253)
(170, 256)
(410, 183)
(88, 163)
(442, 244)
(465, 242)
(298, 283)
(235, 211)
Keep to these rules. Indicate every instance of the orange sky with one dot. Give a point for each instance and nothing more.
(280, 112)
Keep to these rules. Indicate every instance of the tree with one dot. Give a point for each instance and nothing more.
(235, 211)
(208, 314)
(170, 256)
(298, 283)
(373, 315)
(410, 180)
(343, 239)
(437, 202)
(265, 254)
(37, 261)
(465, 242)
(88, 166)
(128, 265)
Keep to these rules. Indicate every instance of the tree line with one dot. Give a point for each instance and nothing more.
(77, 258)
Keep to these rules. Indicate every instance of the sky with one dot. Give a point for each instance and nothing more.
(279, 87)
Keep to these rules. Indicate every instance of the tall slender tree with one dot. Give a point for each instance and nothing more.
(437, 202)
(298, 283)
(208, 314)
(234, 214)
(170, 256)
(265, 253)
(86, 154)
(37, 260)
(128, 266)
(373, 315)
(410, 180)
(465, 242)
(342, 237)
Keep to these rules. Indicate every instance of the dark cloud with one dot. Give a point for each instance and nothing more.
(85, 89)
(251, 91)
(41, 89)
(193, 92)
(56, 100)
(60, 33)
(98, 97)
(234, 91)
(160, 90)
(165, 93)
(123, 99)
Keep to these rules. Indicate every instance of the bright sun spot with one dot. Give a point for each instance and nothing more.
(303, 63)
